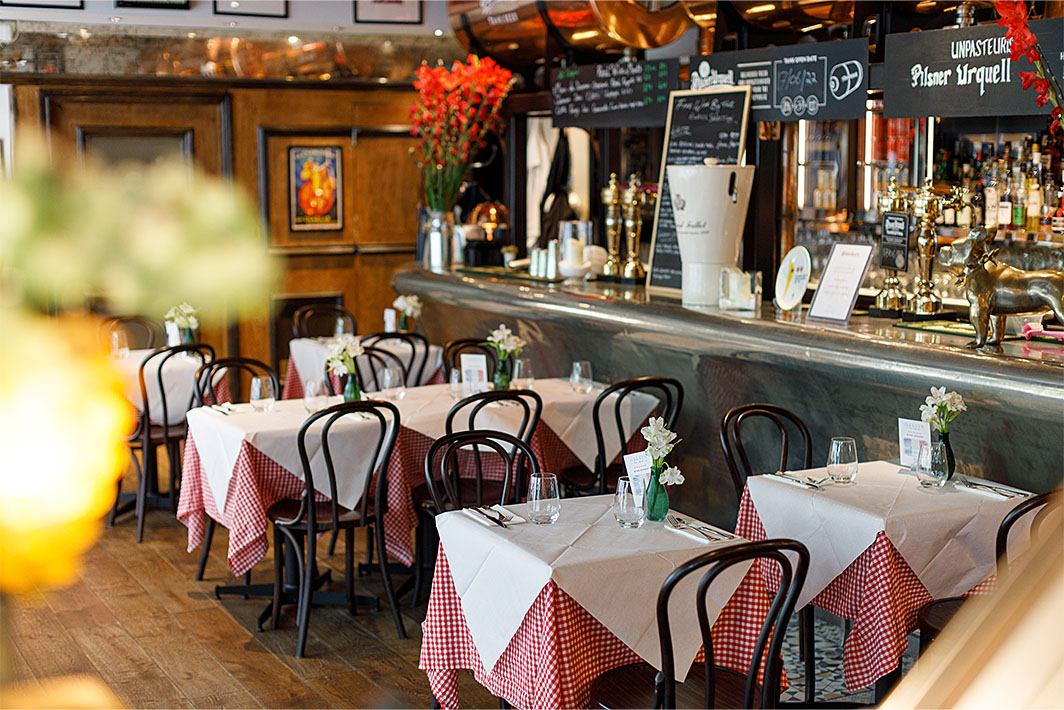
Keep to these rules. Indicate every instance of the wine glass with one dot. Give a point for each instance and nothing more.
(523, 378)
(628, 511)
(262, 394)
(393, 386)
(932, 466)
(842, 459)
(544, 502)
(580, 378)
(314, 394)
(119, 343)
(455, 381)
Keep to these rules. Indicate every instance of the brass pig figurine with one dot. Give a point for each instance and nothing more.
(996, 290)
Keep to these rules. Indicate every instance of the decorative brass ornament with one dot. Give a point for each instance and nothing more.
(632, 199)
(611, 200)
(995, 289)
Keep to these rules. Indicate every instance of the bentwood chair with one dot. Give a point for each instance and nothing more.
(669, 393)
(298, 522)
(143, 333)
(640, 685)
(934, 616)
(417, 346)
(158, 426)
(207, 379)
(453, 350)
(367, 370)
(320, 319)
(449, 486)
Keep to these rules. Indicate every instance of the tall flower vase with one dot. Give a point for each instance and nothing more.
(657, 497)
(351, 393)
(437, 234)
(951, 462)
(501, 381)
(404, 323)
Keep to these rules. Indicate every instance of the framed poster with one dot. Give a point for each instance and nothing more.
(252, 8)
(50, 4)
(155, 4)
(404, 12)
(315, 187)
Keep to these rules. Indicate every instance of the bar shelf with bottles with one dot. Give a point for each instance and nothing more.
(1007, 168)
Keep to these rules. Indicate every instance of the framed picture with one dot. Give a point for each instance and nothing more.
(51, 4)
(405, 12)
(252, 8)
(315, 188)
(154, 4)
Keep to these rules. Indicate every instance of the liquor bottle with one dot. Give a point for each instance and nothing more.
(978, 214)
(1004, 199)
(964, 212)
(1050, 202)
(1019, 200)
(1057, 221)
(990, 196)
(1034, 205)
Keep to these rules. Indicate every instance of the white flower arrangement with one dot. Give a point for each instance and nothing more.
(941, 407)
(342, 354)
(505, 342)
(409, 306)
(660, 442)
(184, 316)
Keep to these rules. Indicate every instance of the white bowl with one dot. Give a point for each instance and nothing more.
(574, 271)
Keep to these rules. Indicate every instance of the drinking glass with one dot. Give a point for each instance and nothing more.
(629, 512)
(544, 502)
(580, 378)
(314, 395)
(842, 459)
(455, 384)
(932, 466)
(393, 388)
(119, 343)
(523, 378)
(262, 394)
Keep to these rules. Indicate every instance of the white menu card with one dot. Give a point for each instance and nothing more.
(842, 278)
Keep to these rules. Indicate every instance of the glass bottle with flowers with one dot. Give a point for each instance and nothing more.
(506, 344)
(182, 322)
(940, 408)
(407, 307)
(659, 445)
(455, 110)
(341, 361)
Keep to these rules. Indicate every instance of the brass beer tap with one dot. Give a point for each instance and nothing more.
(927, 206)
(893, 297)
(633, 199)
(611, 200)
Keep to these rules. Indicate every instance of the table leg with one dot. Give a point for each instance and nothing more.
(886, 684)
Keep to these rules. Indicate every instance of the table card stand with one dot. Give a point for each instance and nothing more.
(836, 294)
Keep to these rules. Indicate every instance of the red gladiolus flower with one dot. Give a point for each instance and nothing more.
(1054, 126)
(1027, 78)
(1056, 112)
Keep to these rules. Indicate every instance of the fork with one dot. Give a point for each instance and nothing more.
(678, 522)
(499, 515)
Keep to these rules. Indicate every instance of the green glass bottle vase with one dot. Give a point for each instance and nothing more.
(657, 497)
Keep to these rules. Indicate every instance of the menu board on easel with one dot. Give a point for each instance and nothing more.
(704, 126)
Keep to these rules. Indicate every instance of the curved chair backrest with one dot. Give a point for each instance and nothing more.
(466, 410)
(210, 374)
(793, 559)
(416, 345)
(368, 367)
(202, 351)
(375, 485)
(1026, 506)
(453, 349)
(732, 443)
(142, 332)
(317, 319)
(443, 474)
(667, 390)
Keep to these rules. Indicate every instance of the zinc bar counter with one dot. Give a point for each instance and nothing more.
(842, 380)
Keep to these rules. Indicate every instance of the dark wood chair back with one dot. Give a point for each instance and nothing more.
(321, 319)
(454, 349)
(793, 559)
(732, 442)
(201, 351)
(444, 475)
(375, 488)
(210, 374)
(142, 332)
(667, 390)
(417, 345)
(1044, 503)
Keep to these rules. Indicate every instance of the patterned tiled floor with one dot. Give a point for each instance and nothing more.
(828, 648)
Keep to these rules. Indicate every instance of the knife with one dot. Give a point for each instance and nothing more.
(484, 515)
(799, 481)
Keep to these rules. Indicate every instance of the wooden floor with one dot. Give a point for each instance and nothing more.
(137, 620)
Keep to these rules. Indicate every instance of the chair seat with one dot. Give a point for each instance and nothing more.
(934, 616)
(284, 510)
(582, 478)
(632, 686)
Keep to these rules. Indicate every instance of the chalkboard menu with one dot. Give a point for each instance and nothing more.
(964, 71)
(820, 81)
(703, 125)
(614, 95)
(894, 243)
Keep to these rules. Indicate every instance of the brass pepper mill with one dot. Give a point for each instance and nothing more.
(892, 297)
(611, 200)
(633, 199)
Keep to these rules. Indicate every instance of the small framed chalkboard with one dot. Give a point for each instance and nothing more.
(703, 126)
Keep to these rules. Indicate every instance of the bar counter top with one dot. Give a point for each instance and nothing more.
(853, 379)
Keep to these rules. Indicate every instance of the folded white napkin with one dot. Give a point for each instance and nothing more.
(517, 519)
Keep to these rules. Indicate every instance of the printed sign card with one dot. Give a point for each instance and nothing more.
(474, 371)
(390, 320)
(911, 433)
(894, 244)
(836, 293)
(637, 466)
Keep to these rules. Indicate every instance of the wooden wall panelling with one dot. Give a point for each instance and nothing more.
(373, 274)
(387, 187)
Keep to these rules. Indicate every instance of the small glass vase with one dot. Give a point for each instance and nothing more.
(501, 381)
(351, 393)
(188, 336)
(657, 497)
(943, 436)
(404, 323)
(436, 236)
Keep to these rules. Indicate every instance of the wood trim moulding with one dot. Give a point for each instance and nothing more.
(312, 250)
(103, 81)
(387, 248)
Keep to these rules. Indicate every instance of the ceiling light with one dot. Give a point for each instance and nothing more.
(234, 5)
(438, 32)
(756, 9)
(191, 35)
(116, 19)
(292, 39)
(84, 32)
(585, 34)
(810, 28)
(232, 24)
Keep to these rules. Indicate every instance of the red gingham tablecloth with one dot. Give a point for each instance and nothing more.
(293, 383)
(560, 648)
(879, 592)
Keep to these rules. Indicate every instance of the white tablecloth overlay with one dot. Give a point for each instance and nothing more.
(424, 409)
(178, 381)
(309, 355)
(612, 572)
(946, 535)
